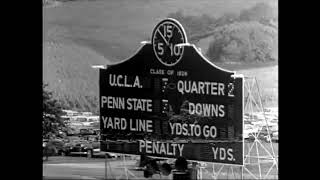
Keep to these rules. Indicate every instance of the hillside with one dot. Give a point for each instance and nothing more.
(114, 28)
(78, 34)
(67, 69)
(238, 42)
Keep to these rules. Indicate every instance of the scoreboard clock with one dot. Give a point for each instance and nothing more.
(165, 37)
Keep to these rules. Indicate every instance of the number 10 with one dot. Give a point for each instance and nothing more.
(176, 50)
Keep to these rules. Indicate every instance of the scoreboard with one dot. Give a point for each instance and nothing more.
(167, 100)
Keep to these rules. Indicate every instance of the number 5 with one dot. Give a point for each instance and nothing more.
(160, 48)
(168, 31)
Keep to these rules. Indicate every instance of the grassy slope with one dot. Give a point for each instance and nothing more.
(67, 69)
(81, 33)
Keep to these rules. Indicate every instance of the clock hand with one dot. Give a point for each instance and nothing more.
(167, 43)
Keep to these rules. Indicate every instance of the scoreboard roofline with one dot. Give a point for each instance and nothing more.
(238, 76)
(146, 43)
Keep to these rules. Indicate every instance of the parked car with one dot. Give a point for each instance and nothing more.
(91, 138)
(275, 136)
(249, 131)
(111, 155)
(272, 128)
(87, 131)
(81, 147)
(88, 145)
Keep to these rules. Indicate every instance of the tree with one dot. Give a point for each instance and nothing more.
(195, 26)
(260, 12)
(52, 111)
(226, 18)
(244, 41)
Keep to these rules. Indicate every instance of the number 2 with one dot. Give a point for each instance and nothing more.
(230, 90)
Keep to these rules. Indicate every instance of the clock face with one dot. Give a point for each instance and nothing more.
(166, 35)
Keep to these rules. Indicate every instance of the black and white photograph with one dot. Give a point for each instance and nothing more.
(160, 89)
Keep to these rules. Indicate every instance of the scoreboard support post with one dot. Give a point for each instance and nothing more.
(126, 172)
(254, 104)
(106, 166)
(254, 154)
